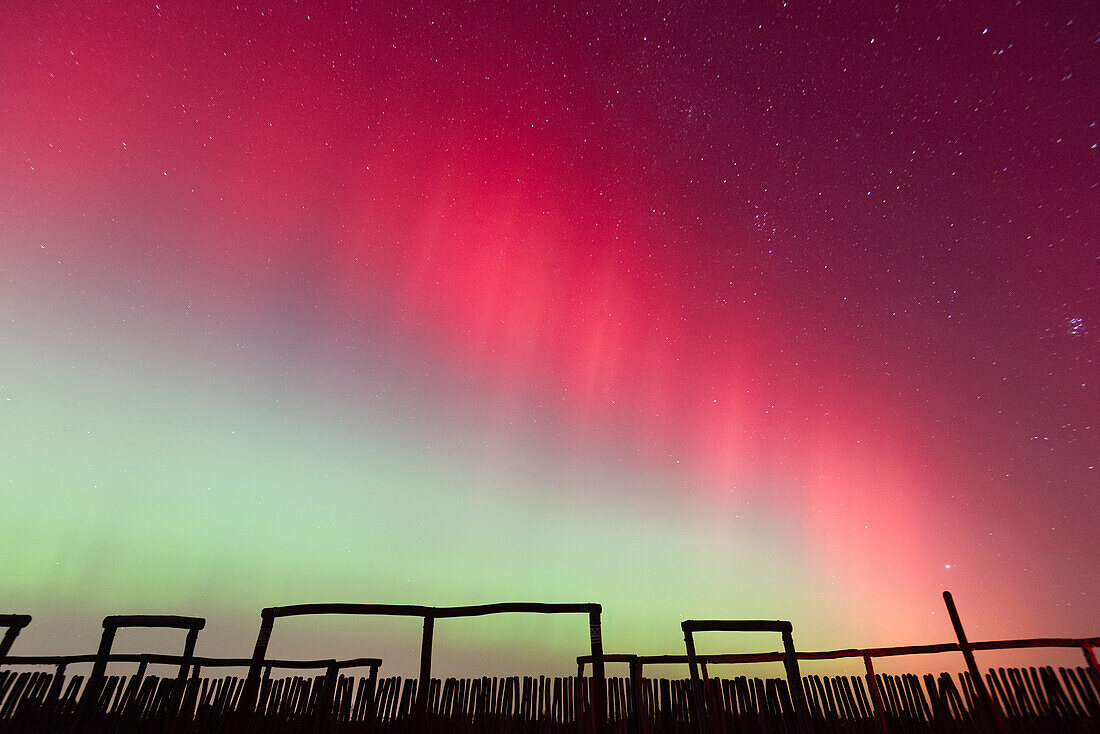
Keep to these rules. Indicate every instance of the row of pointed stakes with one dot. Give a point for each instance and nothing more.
(1035, 699)
(593, 704)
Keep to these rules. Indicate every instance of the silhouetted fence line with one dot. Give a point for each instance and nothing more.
(1034, 699)
(278, 695)
(845, 698)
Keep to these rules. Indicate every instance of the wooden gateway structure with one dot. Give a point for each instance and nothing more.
(39, 693)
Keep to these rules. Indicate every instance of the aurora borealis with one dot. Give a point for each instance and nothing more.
(786, 310)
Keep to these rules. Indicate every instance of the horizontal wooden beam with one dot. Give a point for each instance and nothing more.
(164, 659)
(15, 621)
(874, 652)
(736, 625)
(171, 621)
(412, 610)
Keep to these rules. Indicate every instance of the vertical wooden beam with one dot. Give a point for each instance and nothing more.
(9, 639)
(372, 688)
(15, 624)
(251, 690)
(693, 663)
(325, 697)
(191, 693)
(94, 685)
(99, 667)
(599, 678)
(876, 695)
(794, 680)
(698, 696)
(425, 681)
(993, 711)
(636, 695)
(188, 654)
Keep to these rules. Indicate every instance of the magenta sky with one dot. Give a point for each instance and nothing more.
(811, 284)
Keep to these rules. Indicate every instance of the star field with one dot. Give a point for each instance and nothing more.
(778, 310)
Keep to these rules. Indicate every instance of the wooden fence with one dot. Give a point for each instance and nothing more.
(1033, 700)
(330, 699)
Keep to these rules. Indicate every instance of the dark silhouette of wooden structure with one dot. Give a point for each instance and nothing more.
(111, 625)
(13, 624)
(790, 660)
(328, 699)
(429, 615)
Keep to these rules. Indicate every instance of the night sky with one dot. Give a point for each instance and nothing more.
(786, 310)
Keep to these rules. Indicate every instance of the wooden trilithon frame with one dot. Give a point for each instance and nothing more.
(790, 658)
(113, 623)
(429, 615)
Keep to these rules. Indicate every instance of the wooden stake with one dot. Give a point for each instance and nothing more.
(992, 710)
(876, 695)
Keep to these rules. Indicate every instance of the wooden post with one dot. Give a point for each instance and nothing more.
(993, 711)
(425, 681)
(599, 679)
(325, 697)
(794, 678)
(698, 696)
(636, 695)
(94, 684)
(251, 689)
(9, 639)
(15, 624)
(372, 687)
(188, 654)
(191, 693)
(58, 683)
(876, 694)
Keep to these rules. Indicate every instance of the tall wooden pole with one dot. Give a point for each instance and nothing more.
(993, 711)
(425, 680)
(698, 695)
(251, 691)
(599, 680)
(636, 695)
(794, 680)
(876, 694)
